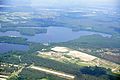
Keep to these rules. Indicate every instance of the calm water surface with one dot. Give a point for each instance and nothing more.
(5, 47)
(54, 34)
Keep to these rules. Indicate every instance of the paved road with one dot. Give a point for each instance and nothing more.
(65, 75)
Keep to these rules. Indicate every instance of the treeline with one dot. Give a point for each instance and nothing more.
(92, 41)
(14, 40)
(96, 73)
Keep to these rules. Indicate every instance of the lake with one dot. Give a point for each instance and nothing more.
(54, 34)
(5, 47)
(105, 14)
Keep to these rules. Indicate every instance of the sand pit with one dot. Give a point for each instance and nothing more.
(82, 56)
(60, 49)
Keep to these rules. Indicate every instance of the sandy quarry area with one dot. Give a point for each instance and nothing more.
(60, 49)
(68, 54)
(82, 56)
(74, 53)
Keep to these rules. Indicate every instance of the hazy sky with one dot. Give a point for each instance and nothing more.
(62, 3)
(72, 2)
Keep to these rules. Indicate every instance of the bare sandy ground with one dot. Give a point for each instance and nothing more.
(3, 79)
(60, 49)
(82, 56)
(74, 53)
(3, 76)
